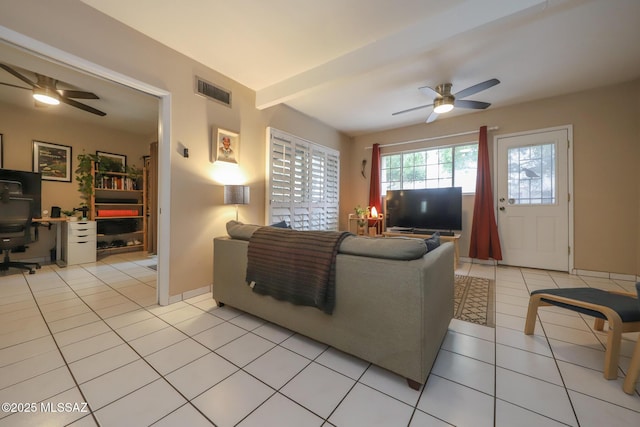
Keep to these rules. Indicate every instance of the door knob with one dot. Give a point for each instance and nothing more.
(501, 208)
(502, 199)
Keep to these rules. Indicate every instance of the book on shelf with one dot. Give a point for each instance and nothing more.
(115, 183)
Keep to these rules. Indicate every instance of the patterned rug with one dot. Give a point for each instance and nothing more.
(474, 300)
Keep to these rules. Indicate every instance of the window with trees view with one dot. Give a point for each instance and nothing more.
(453, 166)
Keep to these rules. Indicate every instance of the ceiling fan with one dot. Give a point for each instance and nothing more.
(45, 91)
(444, 101)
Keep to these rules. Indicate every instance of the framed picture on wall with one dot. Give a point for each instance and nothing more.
(1, 151)
(226, 146)
(52, 160)
(113, 162)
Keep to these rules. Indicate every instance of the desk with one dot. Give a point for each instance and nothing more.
(55, 221)
(455, 239)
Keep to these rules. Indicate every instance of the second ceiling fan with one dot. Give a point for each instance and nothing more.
(45, 90)
(444, 101)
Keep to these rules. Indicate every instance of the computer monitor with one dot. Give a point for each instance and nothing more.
(31, 183)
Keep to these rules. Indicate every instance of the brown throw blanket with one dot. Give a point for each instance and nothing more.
(295, 266)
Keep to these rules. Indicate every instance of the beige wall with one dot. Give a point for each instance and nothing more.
(605, 134)
(197, 213)
(606, 154)
(19, 129)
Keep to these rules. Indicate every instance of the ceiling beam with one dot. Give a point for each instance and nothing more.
(424, 36)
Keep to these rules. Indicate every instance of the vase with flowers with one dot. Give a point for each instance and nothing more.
(363, 215)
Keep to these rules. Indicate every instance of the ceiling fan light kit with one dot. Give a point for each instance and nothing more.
(443, 105)
(46, 96)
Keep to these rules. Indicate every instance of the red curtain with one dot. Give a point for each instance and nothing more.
(375, 198)
(485, 242)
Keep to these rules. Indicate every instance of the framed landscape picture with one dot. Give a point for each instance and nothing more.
(114, 162)
(226, 146)
(52, 160)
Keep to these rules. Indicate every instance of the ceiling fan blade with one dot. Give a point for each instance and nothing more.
(16, 86)
(17, 75)
(82, 106)
(78, 94)
(411, 109)
(430, 92)
(476, 88)
(476, 105)
(432, 117)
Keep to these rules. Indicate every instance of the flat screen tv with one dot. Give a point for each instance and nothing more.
(427, 209)
(31, 186)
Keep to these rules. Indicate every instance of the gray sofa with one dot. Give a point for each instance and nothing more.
(391, 312)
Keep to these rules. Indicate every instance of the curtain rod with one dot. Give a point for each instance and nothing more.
(433, 138)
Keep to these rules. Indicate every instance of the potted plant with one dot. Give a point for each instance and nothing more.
(362, 214)
(84, 177)
(71, 214)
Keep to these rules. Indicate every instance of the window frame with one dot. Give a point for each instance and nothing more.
(425, 150)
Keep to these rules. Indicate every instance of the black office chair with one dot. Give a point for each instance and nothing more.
(15, 229)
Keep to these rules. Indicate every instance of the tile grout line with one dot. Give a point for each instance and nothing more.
(73, 377)
(187, 401)
(564, 384)
(122, 338)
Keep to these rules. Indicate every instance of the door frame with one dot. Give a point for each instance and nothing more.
(54, 54)
(570, 212)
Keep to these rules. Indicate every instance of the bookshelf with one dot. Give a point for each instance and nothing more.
(118, 205)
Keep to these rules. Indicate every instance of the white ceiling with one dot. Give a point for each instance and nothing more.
(352, 63)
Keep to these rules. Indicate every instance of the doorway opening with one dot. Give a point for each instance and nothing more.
(57, 56)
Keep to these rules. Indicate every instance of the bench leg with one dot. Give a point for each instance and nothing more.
(612, 353)
(598, 324)
(532, 312)
(634, 371)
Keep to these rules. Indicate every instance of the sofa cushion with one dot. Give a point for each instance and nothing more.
(398, 248)
(238, 230)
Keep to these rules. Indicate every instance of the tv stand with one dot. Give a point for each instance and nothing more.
(445, 238)
(430, 232)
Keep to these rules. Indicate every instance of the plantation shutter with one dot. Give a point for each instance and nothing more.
(303, 184)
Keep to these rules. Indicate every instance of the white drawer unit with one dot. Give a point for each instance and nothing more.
(79, 242)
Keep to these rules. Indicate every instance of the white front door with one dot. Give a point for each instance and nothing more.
(533, 198)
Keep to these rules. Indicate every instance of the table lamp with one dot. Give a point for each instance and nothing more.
(236, 195)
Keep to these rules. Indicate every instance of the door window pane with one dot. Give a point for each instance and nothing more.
(532, 175)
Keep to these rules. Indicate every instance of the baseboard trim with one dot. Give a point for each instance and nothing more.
(189, 294)
(606, 275)
(575, 271)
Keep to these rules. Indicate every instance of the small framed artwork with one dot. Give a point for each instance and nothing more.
(227, 145)
(52, 160)
(1, 151)
(113, 162)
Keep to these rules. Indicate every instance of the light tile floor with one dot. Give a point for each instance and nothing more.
(94, 334)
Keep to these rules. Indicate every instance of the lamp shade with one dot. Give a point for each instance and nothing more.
(236, 194)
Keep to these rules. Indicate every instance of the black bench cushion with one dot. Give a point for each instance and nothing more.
(627, 307)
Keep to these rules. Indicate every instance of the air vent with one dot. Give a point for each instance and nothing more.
(213, 92)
